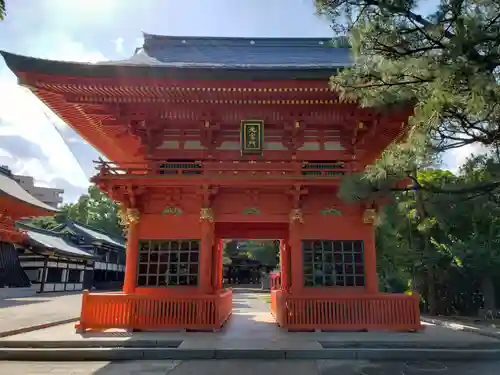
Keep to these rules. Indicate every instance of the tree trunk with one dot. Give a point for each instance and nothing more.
(488, 292)
(432, 301)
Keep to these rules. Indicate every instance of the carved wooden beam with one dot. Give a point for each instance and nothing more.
(207, 193)
(296, 193)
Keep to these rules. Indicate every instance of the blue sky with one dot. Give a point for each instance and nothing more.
(31, 137)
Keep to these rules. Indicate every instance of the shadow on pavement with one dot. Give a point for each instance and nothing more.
(13, 302)
(31, 298)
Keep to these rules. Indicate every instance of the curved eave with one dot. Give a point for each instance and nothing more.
(22, 209)
(24, 64)
(12, 190)
(87, 128)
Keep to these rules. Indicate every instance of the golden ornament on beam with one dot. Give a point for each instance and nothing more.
(129, 216)
(206, 213)
(369, 216)
(296, 216)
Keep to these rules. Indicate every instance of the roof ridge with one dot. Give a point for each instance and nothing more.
(193, 37)
(6, 171)
(32, 228)
(95, 229)
(87, 226)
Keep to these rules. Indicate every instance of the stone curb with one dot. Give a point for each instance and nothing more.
(94, 354)
(37, 327)
(103, 344)
(174, 344)
(465, 328)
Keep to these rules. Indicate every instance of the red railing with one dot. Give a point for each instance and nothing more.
(275, 280)
(268, 169)
(274, 303)
(396, 312)
(147, 312)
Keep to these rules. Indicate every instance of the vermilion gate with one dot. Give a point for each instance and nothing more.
(214, 135)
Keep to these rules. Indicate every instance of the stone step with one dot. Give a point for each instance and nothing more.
(115, 354)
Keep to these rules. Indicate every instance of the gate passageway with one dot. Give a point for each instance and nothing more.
(251, 316)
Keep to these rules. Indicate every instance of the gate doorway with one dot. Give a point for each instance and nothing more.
(251, 251)
(248, 263)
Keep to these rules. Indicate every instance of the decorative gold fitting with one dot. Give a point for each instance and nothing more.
(130, 216)
(206, 213)
(296, 216)
(369, 216)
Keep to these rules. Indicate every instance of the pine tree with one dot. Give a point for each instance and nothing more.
(446, 65)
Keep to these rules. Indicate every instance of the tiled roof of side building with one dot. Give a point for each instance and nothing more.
(246, 52)
(53, 241)
(98, 235)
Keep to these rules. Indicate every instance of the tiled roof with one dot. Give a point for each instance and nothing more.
(56, 243)
(251, 53)
(98, 235)
(10, 187)
(196, 58)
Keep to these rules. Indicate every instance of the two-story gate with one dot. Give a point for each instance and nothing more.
(218, 137)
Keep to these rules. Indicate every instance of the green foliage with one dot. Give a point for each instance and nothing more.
(266, 252)
(446, 244)
(446, 65)
(95, 209)
(3, 11)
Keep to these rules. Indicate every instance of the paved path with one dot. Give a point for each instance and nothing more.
(248, 367)
(34, 309)
(481, 329)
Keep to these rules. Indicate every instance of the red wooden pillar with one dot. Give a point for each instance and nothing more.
(132, 254)
(217, 274)
(296, 280)
(206, 250)
(285, 265)
(221, 267)
(370, 256)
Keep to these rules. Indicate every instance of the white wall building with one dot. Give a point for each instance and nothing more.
(51, 196)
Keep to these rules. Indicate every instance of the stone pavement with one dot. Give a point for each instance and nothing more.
(252, 326)
(479, 329)
(31, 309)
(251, 333)
(249, 367)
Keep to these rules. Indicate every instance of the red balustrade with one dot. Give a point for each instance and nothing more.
(151, 312)
(395, 312)
(224, 169)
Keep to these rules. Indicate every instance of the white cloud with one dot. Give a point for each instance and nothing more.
(4, 155)
(24, 115)
(77, 15)
(455, 158)
(119, 45)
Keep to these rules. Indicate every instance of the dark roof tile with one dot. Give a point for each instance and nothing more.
(246, 52)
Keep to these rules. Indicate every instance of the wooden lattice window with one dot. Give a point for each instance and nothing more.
(333, 263)
(185, 167)
(168, 263)
(324, 168)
